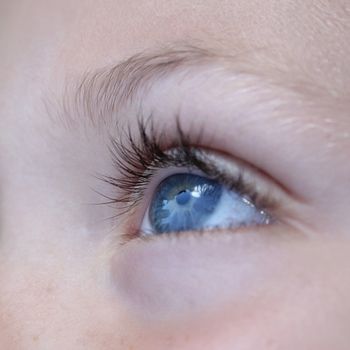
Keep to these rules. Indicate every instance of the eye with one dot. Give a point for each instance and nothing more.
(190, 202)
(170, 184)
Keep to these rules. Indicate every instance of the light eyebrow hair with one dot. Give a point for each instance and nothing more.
(99, 95)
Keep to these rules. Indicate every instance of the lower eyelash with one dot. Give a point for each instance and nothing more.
(138, 158)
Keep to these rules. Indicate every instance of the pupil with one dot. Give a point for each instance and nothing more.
(183, 197)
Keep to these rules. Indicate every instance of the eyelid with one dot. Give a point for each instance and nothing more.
(231, 173)
(236, 98)
(138, 157)
(252, 117)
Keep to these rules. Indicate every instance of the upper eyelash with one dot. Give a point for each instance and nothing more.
(138, 157)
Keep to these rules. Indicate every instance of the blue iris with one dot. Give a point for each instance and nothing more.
(183, 202)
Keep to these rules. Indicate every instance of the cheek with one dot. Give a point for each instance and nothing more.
(240, 291)
(164, 280)
(53, 300)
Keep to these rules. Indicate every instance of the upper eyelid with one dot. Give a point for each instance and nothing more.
(109, 98)
(138, 158)
(131, 194)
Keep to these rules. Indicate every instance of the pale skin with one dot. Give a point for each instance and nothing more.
(271, 88)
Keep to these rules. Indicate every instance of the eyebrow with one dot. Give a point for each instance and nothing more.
(99, 95)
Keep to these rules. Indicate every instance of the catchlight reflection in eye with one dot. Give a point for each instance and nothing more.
(189, 202)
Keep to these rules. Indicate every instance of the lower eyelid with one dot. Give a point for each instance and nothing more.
(156, 278)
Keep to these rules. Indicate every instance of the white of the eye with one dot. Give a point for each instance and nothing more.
(233, 210)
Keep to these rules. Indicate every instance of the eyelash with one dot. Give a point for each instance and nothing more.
(139, 157)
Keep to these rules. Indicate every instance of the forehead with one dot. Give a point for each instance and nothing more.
(60, 38)
(308, 36)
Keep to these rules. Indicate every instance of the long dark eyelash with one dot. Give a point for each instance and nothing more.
(138, 157)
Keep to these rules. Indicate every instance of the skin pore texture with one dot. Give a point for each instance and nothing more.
(267, 85)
